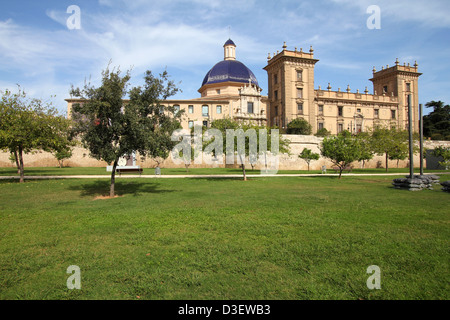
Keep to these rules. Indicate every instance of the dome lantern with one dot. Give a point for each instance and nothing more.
(229, 50)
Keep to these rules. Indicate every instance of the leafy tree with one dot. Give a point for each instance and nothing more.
(191, 158)
(389, 141)
(443, 152)
(342, 150)
(110, 128)
(308, 156)
(437, 123)
(365, 144)
(188, 158)
(299, 126)
(399, 152)
(28, 125)
(323, 133)
(240, 129)
(63, 154)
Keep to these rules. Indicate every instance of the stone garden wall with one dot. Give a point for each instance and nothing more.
(81, 158)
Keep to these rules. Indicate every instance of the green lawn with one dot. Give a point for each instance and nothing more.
(266, 238)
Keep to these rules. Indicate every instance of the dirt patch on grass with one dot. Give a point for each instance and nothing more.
(106, 197)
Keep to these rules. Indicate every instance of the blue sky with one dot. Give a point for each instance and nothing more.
(40, 53)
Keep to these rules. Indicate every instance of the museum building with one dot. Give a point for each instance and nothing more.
(231, 90)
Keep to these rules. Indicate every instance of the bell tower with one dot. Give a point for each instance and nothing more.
(399, 81)
(291, 87)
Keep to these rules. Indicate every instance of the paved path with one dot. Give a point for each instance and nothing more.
(208, 176)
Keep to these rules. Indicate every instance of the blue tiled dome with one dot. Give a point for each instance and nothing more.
(229, 70)
(229, 41)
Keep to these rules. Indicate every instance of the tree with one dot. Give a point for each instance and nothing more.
(62, 155)
(308, 155)
(110, 128)
(437, 123)
(443, 152)
(342, 150)
(28, 125)
(249, 148)
(299, 126)
(188, 157)
(389, 141)
(366, 148)
(323, 133)
(399, 152)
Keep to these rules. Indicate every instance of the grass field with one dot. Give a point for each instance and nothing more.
(266, 238)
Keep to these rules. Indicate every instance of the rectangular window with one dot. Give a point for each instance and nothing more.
(276, 94)
(300, 108)
(393, 114)
(340, 127)
(218, 91)
(385, 89)
(320, 108)
(340, 111)
(191, 124)
(376, 113)
(299, 93)
(205, 111)
(408, 86)
(249, 107)
(176, 109)
(358, 110)
(299, 75)
(191, 109)
(218, 109)
(275, 79)
(320, 126)
(205, 123)
(276, 111)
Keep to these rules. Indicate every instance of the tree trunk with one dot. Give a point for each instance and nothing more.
(21, 172)
(308, 166)
(387, 159)
(113, 179)
(265, 160)
(243, 171)
(243, 168)
(17, 161)
(340, 171)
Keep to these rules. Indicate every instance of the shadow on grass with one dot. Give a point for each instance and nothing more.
(121, 188)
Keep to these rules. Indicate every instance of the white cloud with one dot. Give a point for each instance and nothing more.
(188, 36)
(432, 13)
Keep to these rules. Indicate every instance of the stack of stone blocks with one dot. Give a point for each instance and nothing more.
(416, 183)
(446, 186)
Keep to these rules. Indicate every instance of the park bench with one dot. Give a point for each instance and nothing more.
(125, 170)
(346, 168)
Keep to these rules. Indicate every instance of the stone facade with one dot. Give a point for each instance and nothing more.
(231, 90)
(292, 95)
